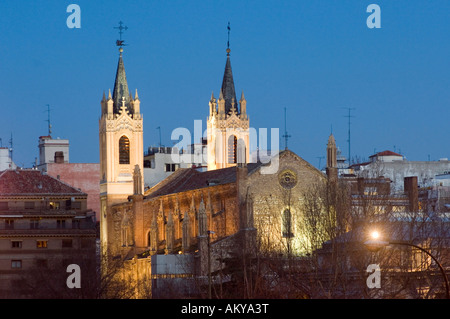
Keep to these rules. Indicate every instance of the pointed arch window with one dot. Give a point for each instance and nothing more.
(286, 224)
(124, 150)
(232, 149)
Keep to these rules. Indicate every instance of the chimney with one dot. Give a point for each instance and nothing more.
(412, 191)
(59, 157)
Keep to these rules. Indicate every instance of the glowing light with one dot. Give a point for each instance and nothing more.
(375, 235)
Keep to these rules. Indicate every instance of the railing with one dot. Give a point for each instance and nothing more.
(21, 227)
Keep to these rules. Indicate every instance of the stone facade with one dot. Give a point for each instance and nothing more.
(235, 205)
(121, 149)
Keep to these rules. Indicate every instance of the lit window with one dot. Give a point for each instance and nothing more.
(41, 244)
(54, 205)
(124, 150)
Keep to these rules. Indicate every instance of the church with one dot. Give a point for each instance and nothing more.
(193, 216)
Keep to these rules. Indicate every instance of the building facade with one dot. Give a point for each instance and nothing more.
(44, 227)
(54, 160)
(396, 167)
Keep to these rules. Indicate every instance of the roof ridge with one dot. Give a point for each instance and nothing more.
(42, 180)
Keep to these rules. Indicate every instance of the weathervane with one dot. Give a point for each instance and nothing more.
(121, 28)
(228, 42)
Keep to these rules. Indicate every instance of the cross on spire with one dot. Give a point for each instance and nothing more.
(228, 42)
(285, 135)
(121, 28)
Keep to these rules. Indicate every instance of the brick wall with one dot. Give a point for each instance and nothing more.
(85, 176)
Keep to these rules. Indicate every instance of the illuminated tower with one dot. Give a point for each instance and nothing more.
(227, 125)
(121, 149)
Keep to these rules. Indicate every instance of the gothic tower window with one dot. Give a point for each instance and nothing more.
(287, 224)
(232, 149)
(124, 150)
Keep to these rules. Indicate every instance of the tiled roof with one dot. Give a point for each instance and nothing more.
(185, 179)
(29, 182)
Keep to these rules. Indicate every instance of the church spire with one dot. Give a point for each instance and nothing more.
(228, 90)
(121, 87)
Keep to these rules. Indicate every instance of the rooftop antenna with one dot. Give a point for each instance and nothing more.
(48, 120)
(320, 160)
(286, 136)
(348, 140)
(120, 42)
(159, 128)
(11, 147)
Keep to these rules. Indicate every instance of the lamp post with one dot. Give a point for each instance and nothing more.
(375, 244)
(209, 232)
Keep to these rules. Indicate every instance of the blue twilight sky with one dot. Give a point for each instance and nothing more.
(316, 58)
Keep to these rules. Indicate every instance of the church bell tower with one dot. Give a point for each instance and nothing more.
(227, 125)
(121, 149)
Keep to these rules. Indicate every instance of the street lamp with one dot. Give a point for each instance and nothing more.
(375, 243)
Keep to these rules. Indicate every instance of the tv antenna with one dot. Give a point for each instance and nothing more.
(349, 123)
(48, 120)
(159, 128)
(286, 136)
(11, 147)
(320, 161)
